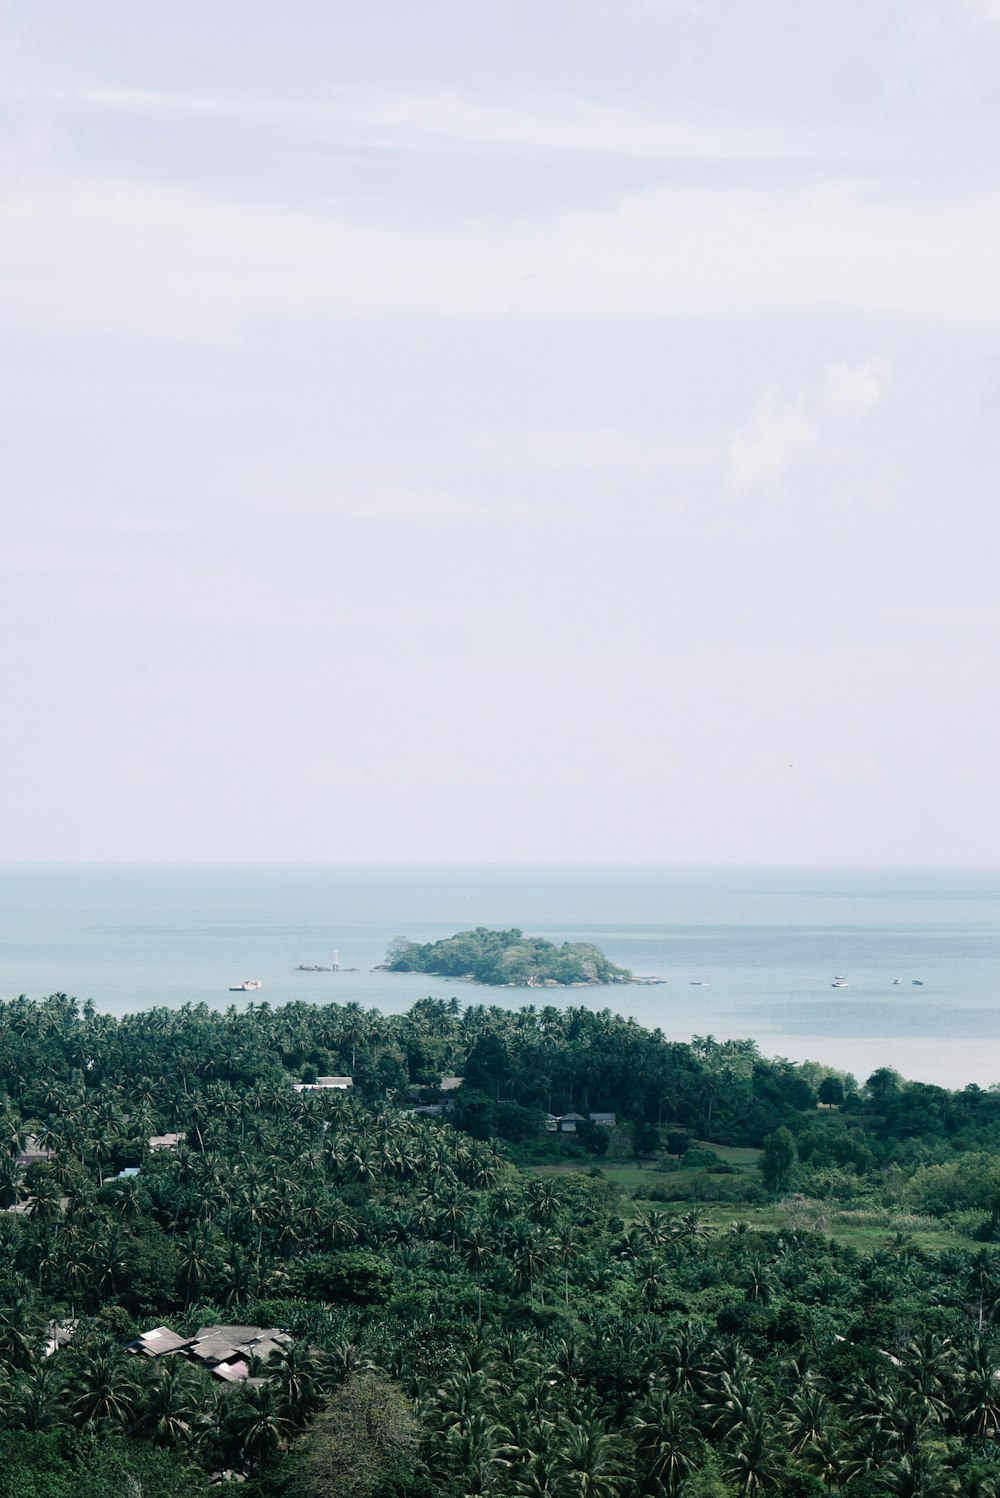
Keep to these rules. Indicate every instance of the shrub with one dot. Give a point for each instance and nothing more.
(360, 1278)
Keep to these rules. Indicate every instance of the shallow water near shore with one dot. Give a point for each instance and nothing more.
(744, 951)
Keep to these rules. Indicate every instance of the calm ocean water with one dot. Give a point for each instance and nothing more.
(744, 951)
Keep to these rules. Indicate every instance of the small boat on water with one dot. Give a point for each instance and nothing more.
(247, 986)
(897, 980)
(840, 983)
(918, 982)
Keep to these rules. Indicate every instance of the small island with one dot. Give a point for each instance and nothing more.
(506, 959)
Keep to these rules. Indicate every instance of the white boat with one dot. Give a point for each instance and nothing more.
(840, 983)
(897, 980)
(247, 986)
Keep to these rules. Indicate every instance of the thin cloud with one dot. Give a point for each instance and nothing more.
(83, 254)
(579, 450)
(781, 436)
(775, 439)
(854, 389)
(948, 53)
(450, 121)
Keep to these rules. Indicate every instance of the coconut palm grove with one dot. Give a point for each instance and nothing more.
(532, 1252)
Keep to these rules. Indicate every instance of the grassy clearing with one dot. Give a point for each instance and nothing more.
(867, 1237)
(744, 1158)
(867, 1231)
(631, 1176)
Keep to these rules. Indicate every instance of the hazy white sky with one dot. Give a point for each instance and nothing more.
(561, 430)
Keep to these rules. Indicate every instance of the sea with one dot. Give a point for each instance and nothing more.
(741, 951)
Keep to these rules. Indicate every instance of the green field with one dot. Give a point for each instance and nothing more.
(874, 1232)
(866, 1231)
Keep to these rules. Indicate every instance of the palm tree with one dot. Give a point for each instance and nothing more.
(128, 1199)
(11, 1181)
(543, 1200)
(759, 1282)
(477, 1249)
(20, 1324)
(983, 1281)
(752, 1458)
(687, 1359)
(462, 1396)
(104, 1391)
(240, 1276)
(529, 1251)
(340, 1229)
(920, 1473)
(978, 1402)
(650, 1276)
(656, 1229)
(732, 1404)
(35, 1400)
(806, 1418)
(929, 1373)
(260, 1425)
(13, 1134)
(110, 1263)
(355, 1022)
(535, 1475)
(667, 1443)
(692, 1228)
(294, 1374)
(568, 1240)
(589, 1462)
(47, 1200)
(471, 1450)
(172, 1404)
(199, 1262)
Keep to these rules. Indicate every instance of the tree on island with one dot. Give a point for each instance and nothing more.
(504, 957)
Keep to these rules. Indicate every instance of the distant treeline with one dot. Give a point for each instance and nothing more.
(505, 957)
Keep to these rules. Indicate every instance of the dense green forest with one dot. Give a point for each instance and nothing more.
(766, 1278)
(505, 958)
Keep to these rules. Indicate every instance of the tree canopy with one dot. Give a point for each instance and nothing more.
(476, 1305)
(505, 958)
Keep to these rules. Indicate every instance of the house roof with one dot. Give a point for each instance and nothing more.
(213, 1350)
(220, 1345)
(449, 1084)
(325, 1084)
(34, 1151)
(57, 1335)
(266, 1347)
(160, 1340)
(234, 1333)
(224, 1349)
(166, 1141)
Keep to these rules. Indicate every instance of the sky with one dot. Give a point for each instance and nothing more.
(562, 431)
